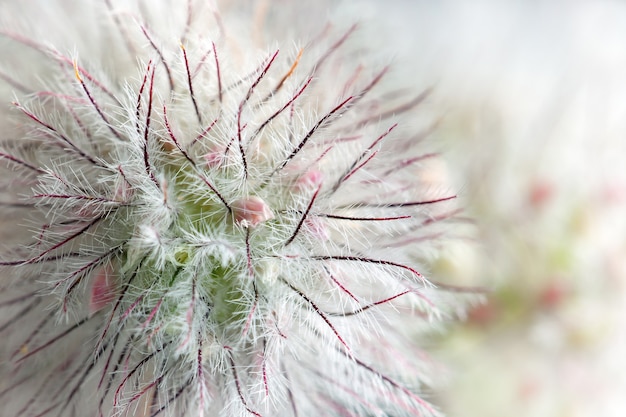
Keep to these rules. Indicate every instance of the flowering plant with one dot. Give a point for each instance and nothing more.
(198, 225)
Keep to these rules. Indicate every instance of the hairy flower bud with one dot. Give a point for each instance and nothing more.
(209, 225)
(251, 211)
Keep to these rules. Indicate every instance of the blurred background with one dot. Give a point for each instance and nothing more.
(532, 104)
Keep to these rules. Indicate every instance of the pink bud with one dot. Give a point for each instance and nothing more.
(213, 159)
(553, 294)
(251, 211)
(102, 290)
(540, 193)
(310, 179)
